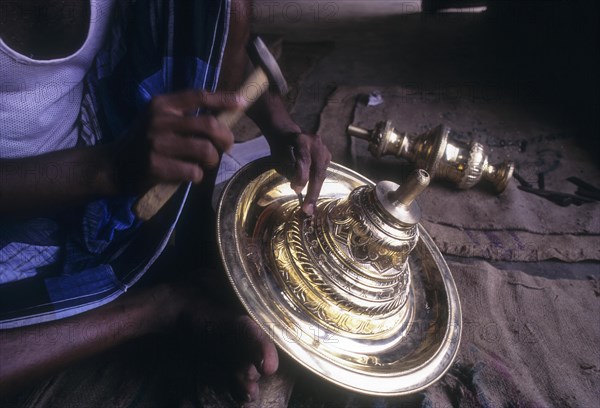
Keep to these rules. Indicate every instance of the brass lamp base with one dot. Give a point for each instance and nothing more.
(358, 293)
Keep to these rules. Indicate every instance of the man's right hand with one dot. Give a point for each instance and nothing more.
(170, 143)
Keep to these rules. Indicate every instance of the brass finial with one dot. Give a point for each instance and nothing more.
(437, 152)
(415, 184)
(399, 201)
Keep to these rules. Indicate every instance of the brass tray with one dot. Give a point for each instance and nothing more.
(414, 357)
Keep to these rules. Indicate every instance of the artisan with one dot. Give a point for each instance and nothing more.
(98, 102)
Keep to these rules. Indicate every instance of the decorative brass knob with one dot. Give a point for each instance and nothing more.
(435, 151)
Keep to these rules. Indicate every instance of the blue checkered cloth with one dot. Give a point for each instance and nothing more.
(59, 267)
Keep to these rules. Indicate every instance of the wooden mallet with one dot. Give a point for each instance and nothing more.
(267, 75)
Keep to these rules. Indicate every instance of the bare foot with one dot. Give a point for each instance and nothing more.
(240, 345)
(257, 356)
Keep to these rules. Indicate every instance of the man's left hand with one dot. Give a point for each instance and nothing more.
(303, 158)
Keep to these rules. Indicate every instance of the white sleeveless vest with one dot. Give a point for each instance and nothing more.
(40, 99)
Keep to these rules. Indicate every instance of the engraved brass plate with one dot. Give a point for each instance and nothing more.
(361, 324)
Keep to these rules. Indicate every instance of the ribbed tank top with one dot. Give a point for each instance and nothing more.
(40, 100)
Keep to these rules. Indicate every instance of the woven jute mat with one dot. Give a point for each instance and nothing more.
(527, 341)
(513, 226)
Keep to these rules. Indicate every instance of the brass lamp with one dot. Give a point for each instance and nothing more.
(358, 293)
(435, 151)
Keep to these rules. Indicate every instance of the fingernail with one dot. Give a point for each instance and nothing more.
(309, 209)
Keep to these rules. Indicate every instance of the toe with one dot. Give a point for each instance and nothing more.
(247, 383)
(270, 360)
(262, 350)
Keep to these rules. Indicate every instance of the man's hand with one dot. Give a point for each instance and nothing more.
(171, 144)
(303, 158)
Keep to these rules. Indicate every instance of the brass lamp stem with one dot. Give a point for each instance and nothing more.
(416, 183)
(359, 132)
(437, 152)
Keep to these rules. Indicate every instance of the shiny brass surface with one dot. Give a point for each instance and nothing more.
(437, 152)
(357, 293)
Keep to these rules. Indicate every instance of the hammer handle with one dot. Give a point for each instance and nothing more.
(153, 200)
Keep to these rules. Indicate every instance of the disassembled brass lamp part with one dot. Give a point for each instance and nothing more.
(435, 151)
(358, 292)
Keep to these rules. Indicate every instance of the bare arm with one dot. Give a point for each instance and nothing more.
(55, 180)
(166, 143)
(310, 155)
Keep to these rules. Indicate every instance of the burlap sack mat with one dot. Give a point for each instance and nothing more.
(527, 341)
(514, 226)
